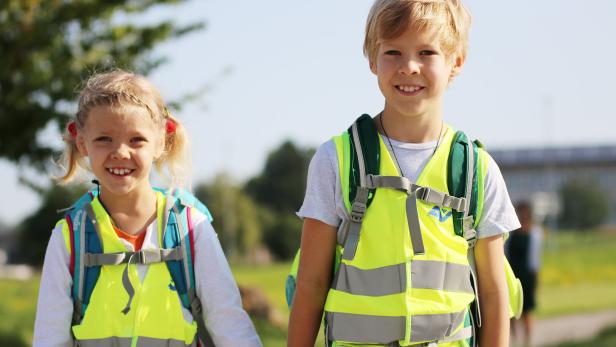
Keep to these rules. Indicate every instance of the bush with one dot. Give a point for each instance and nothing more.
(584, 205)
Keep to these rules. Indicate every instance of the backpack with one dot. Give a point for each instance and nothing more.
(87, 255)
(463, 189)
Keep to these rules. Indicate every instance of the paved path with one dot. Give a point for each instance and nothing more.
(556, 330)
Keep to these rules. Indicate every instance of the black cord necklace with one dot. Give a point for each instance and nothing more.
(392, 147)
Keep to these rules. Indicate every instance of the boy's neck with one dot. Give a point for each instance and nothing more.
(410, 129)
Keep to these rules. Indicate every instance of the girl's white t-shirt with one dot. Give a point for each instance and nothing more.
(228, 323)
(323, 200)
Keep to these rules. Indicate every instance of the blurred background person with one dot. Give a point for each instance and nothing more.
(523, 251)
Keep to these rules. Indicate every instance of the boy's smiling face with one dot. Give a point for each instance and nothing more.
(413, 73)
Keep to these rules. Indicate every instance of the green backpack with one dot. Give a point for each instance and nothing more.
(462, 182)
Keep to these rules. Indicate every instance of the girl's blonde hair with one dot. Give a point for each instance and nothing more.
(388, 19)
(120, 90)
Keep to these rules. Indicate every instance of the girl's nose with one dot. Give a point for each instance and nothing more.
(121, 152)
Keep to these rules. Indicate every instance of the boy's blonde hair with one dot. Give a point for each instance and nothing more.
(121, 90)
(389, 19)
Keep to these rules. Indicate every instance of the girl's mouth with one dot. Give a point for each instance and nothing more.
(120, 171)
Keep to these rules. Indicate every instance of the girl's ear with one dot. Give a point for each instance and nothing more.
(80, 142)
(373, 67)
(160, 146)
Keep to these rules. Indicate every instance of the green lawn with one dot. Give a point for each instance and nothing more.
(607, 338)
(579, 275)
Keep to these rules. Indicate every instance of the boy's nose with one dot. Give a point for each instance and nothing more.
(409, 67)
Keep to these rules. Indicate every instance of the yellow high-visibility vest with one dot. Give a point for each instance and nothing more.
(388, 292)
(156, 316)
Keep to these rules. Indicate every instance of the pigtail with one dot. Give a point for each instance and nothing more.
(176, 155)
(71, 161)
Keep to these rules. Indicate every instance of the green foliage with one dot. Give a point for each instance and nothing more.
(48, 49)
(280, 188)
(584, 205)
(34, 231)
(236, 216)
(283, 236)
(282, 183)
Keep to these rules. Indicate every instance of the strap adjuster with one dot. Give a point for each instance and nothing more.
(149, 256)
(358, 210)
(423, 193)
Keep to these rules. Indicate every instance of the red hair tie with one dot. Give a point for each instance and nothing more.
(171, 126)
(72, 129)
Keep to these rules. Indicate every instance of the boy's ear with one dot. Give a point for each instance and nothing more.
(372, 67)
(456, 68)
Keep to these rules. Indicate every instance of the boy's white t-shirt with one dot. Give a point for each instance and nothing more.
(229, 325)
(324, 202)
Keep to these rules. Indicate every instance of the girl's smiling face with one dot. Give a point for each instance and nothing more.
(121, 143)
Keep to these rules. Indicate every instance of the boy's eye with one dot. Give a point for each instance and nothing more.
(392, 52)
(427, 52)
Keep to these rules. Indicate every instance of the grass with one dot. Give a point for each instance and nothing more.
(17, 307)
(579, 275)
(607, 338)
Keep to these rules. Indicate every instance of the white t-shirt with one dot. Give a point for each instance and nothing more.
(226, 320)
(324, 202)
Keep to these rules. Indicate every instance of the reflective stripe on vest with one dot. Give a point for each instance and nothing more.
(128, 342)
(427, 274)
(156, 314)
(384, 330)
(387, 292)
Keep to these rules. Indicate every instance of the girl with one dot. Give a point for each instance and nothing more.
(123, 129)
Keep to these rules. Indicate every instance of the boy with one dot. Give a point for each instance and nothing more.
(387, 291)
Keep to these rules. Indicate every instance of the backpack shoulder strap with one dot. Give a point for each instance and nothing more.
(364, 161)
(462, 180)
(84, 238)
(179, 232)
(364, 154)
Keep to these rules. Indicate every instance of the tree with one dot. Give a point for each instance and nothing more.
(280, 188)
(235, 214)
(282, 183)
(584, 205)
(47, 48)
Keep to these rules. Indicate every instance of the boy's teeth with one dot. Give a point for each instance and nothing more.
(408, 89)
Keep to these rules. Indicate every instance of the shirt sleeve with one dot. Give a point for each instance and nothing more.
(227, 322)
(54, 310)
(498, 216)
(322, 187)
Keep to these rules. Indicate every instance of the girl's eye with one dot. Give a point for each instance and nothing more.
(103, 139)
(138, 139)
(392, 52)
(427, 52)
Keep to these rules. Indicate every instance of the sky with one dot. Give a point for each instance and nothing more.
(539, 73)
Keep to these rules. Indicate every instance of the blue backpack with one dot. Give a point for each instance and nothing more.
(177, 251)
